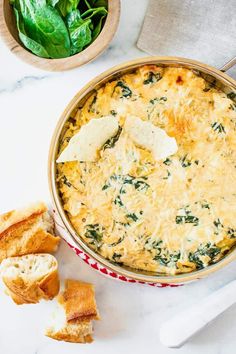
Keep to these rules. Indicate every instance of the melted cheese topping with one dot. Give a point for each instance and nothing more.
(168, 216)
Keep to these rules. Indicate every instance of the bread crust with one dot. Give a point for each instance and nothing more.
(78, 333)
(29, 290)
(78, 300)
(25, 231)
(15, 216)
(78, 308)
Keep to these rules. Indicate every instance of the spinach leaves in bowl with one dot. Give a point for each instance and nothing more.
(58, 28)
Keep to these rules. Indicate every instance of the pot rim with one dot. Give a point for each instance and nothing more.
(107, 75)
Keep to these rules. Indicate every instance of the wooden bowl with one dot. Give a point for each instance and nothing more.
(9, 33)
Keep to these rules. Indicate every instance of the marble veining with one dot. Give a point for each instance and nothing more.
(26, 80)
(31, 102)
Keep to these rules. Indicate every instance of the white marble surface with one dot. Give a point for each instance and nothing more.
(30, 104)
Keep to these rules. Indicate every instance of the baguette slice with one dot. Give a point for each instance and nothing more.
(77, 308)
(28, 230)
(73, 331)
(31, 278)
(79, 302)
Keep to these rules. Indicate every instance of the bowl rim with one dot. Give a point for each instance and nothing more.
(87, 55)
(83, 92)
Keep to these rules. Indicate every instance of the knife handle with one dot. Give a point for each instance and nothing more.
(176, 331)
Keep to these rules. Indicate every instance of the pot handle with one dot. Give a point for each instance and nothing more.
(228, 65)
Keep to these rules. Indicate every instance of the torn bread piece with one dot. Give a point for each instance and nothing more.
(72, 322)
(79, 302)
(73, 331)
(150, 137)
(28, 230)
(31, 278)
(84, 145)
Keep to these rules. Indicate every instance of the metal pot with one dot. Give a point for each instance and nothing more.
(223, 81)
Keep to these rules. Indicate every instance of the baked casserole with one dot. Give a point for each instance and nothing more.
(132, 204)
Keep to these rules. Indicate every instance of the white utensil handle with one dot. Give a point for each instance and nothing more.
(175, 332)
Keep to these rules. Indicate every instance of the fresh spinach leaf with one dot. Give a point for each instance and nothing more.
(101, 11)
(52, 2)
(79, 30)
(67, 6)
(97, 29)
(59, 28)
(87, 4)
(43, 24)
(98, 3)
(29, 43)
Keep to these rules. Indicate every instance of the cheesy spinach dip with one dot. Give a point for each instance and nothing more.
(168, 215)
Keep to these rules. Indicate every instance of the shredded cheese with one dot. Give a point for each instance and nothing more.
(145, 203)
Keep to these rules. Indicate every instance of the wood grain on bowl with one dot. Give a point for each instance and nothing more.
(9, 33)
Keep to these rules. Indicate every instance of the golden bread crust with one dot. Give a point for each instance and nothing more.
(15, 216)
(79, 333)
(29, 289)
(77, 309)
(25, 231)
(79, 302)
